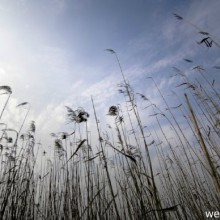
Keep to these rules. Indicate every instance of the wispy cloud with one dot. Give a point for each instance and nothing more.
(52, 55)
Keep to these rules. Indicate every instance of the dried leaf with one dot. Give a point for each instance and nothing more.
(22, 104)
(7, 89)
(177, 16)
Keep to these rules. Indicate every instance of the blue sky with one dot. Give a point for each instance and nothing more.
(52, 51)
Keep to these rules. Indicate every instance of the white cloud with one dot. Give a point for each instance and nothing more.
(2, 72)
(102, 90)
(50, 77)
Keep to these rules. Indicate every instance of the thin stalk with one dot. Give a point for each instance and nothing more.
(105, 164)
(204, 148)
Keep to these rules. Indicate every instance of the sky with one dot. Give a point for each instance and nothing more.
(52, 52)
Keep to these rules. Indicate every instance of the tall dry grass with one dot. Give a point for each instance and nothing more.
(168, 169)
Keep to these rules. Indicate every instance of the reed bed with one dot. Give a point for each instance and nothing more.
(166, 169)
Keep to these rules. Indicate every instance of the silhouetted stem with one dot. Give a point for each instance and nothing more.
(106, 166)
(5, 105)
(204, 148)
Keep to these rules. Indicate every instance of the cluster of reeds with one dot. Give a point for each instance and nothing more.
(165, 169)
